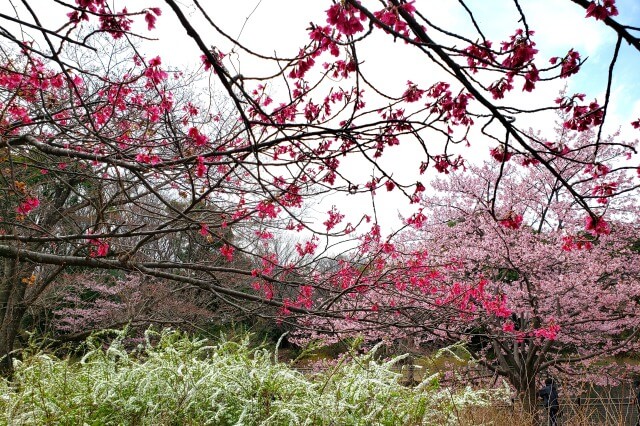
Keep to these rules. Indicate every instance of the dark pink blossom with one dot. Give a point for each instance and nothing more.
(115, 24)
(201, 168)
(266, 209)
(584, 117)
(198, 138)
(309, 247)
(479, 54)
(390, 17)
(150, 17)
(512, 221)
(530, 78)
(335, 217)
(597, 225)
(528, 161)
(417, 220)
(508, 327)
(346, 18)
(154, 73)
(304, 296)
(500, 154)
(227, 252)
(501, 86)
(100, 248)
(549, 333)
(602, 9)
(520, 50)
(412, 94)
(28, 205)
(570, 63)
(604, 191)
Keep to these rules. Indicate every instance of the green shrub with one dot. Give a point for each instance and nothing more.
(180, 380)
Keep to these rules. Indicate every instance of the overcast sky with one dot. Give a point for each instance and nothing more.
(280, 27)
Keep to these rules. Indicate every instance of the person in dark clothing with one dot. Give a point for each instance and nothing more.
(636, 392)
(549, 395)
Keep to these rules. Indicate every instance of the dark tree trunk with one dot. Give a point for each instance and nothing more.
(8, 332)
(528, 396)
(12, 292)
(13, 304)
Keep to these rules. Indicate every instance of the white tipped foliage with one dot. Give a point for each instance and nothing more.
(182, 380)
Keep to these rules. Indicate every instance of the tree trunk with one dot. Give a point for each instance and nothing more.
(12, 291)
(8, 332)
(528, 395)
(6, 284)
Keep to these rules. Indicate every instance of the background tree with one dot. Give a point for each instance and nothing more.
(561, 298)
(96, 302)
(79, 178)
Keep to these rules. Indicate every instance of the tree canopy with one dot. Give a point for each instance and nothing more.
(113, 161)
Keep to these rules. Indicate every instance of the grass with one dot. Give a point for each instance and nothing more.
(571, 416)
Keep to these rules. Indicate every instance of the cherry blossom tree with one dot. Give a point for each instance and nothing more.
(560, 298)
(95, 302)
(107, 154)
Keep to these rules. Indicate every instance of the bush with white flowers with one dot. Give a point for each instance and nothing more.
(188, 381)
